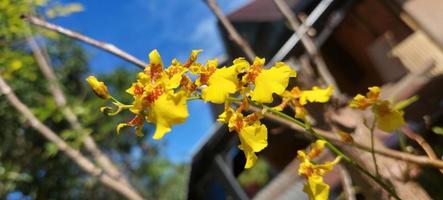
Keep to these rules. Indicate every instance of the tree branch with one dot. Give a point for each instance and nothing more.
(309, 45)
(73, 154)
(60, 100)
(233, 34)
(78, 36)
(421, 141)
(346, 181)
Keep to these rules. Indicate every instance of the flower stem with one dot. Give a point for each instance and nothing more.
(374, 159)
(334, 149)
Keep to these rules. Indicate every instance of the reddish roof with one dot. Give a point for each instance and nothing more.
(259, 11)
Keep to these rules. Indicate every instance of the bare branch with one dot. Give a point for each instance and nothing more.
(73, 154)
(103, 161)
(78, 36)
(346, 182)
(309, 45)
(233, 34)
(421, 141)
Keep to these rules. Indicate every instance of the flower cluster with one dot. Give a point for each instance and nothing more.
(315, 187)
(160, 96)
(388, 117)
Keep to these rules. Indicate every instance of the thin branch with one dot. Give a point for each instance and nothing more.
(233, 34)
(346, 181)
(78, 36)
(374, 159)
(309, 45)
(72, 153)
(60, 100)
(421, 141)
(419, 160)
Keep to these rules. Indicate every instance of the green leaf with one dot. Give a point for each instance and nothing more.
(437, 130)
(68, 134)
(405, 103)
(51, 149)
(64, 10)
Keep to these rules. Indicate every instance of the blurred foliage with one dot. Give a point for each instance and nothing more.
(437, 130)
(257, 175)
(34, 167)
(63, 10)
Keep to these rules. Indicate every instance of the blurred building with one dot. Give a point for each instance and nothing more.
(364, 43)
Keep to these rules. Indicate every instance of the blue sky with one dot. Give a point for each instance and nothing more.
(174, 27)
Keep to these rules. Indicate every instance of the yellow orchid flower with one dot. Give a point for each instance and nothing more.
(155, 98)
(252, 134)
(169, 109)
(99, 88)
(253, 138)
(299, 98)
(270, 81)
(362, 102)
(387, 117)
(220, 85)
(315, 187)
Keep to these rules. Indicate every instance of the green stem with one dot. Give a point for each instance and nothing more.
(334, 149)
(374, 159)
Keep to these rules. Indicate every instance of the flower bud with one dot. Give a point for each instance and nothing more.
(98, 87)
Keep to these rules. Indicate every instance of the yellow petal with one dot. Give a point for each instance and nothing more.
(360, 102)
(98, 87)
(300, 112)
(321, 169)
(388, 118)
(175, 76)
(120, 126)
(137, 106)
(316, 95)
(259, 61)
(226, 115)
(169, 109)
(374, 93)
(316, 189)
(255, 136)
(316, 149)
(174, 81)
(306, 167)
(251, 158)
(221, 83)
(241, 64)
(274, 80)
(155, 59)
(192, 58)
